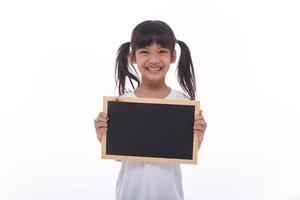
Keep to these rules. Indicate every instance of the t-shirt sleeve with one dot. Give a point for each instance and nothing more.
(182, 95)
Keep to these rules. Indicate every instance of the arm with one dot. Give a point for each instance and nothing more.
(200, 127)
(101, 124)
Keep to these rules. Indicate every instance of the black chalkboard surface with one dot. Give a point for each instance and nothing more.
(150, 130)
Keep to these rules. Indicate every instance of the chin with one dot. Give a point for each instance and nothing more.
(154, 78)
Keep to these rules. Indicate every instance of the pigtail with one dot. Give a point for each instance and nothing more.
(122, 69)
(185, 71)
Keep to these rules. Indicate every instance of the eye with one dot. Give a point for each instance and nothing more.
(143, 51)
(163, 51)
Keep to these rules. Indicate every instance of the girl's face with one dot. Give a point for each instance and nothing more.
(153, 61)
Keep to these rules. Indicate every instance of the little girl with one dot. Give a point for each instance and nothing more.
(152, 50)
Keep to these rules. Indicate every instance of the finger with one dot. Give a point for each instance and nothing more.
(199, 133)
(199, 127)
(199, 117)
(101, 125)
(199, 122)
(102, 131)
(201, 113)
(101, 119)
(103, 114)
(202, 122)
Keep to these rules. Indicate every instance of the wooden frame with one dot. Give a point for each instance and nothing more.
(196, 104)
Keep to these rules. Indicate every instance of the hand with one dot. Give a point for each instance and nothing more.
(101, 124)
(200, 127)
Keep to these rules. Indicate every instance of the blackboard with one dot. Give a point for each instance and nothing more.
(150, 130)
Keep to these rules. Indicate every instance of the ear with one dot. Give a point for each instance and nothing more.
(131, 58)
(173, 56)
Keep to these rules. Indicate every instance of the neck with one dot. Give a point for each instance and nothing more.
(150, 85)
(152, 90)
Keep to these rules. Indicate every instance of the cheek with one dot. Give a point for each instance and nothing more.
(139, 66)
(140, 61)
(167, 60)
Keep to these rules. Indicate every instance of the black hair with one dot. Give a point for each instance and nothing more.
(144, 34)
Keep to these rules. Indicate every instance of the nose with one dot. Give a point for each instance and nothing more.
(153, 59)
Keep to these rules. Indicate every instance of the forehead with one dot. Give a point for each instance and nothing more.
(153, 46)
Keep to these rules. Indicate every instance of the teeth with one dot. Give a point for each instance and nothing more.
(153, 69)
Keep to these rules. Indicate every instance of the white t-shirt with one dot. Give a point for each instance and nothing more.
(150, 181)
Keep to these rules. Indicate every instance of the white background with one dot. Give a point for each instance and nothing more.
(57, 62)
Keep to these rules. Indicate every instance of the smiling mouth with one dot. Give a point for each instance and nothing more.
(153, 69)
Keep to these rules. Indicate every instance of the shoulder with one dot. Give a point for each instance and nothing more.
(177, 94)
(128, 94)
